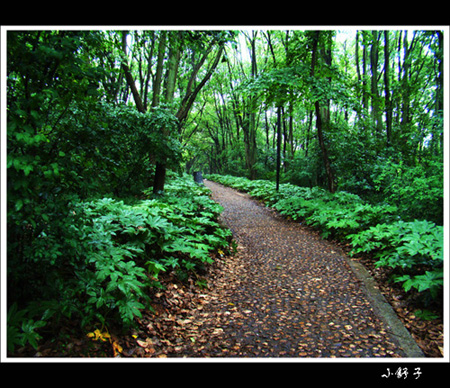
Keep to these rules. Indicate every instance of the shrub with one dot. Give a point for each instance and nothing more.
(409, 247)
(117, 252)
(125, 242)
(416, 190)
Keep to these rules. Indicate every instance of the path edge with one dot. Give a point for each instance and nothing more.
(385, 311)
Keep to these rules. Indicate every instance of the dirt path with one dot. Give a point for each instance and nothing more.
(286, 293)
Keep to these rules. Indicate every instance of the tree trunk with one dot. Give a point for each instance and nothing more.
(438, 136)
(405, 81)
(323, 109)
(358, 72)
(376, 111)
(172, 70)
(249, 123)
(160, 171)
(308, 132)
(364, 75)
(291, 130)
(129, 77)
(159, 69)
(278, 146)
(387, 89)
(323, 120)
(173, 62)
(250, 143)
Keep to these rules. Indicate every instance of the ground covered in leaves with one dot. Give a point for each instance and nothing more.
(289, 293)
(284, 292)
(428, 333)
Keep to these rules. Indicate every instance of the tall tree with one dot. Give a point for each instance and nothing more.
(278, 146)
(201, 45)
(387, 88)
(191, 94)
(249, 122)
(129, 77)
(376, 106)
(322, 105)
(171, 78)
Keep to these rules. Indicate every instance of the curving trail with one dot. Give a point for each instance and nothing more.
(286, 293)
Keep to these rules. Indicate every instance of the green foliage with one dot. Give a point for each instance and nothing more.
(21, 330)
(431, 281)
(74, 251)
(420, 242)
(383, 127)
(425, 315)
(118, 250)
(409, 247)
(127, 241)
(335, 215)
(112, 279)
(417, 191)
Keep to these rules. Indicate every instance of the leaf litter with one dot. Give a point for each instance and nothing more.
(284, 292)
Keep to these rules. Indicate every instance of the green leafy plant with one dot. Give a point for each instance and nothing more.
(425, 315)
(416, 190)
(125, 241)
(118, 251)
(22, 330)
(431, 281)
(406, 246)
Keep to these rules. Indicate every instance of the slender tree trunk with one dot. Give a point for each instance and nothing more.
(285, 137)
(129, 77)
(308, 133)
(291, 130)
(323, 111)
(358, 72)
(173, 62)
(159, 69)
(323, 120)
(376, 111)
(387, 89)
(405, 83)
(278, 147)
(267, 130)
(249, 123)
(438, 137)
(364, 75)
(440, 76)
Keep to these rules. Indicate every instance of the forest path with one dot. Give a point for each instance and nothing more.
(287, 293)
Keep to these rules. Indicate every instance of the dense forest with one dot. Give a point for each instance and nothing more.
(102, 126)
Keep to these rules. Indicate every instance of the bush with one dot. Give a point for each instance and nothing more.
(416, 190)
(412, 247)
(117, 252)
(127, 242)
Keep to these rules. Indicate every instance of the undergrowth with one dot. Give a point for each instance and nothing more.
(118, 252)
